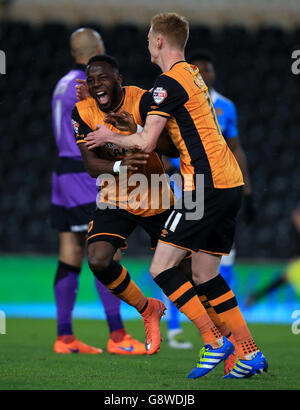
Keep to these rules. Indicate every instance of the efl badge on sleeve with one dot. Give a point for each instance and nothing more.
(159, 95)
(75, 126)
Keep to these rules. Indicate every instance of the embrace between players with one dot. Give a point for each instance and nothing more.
(186, 261)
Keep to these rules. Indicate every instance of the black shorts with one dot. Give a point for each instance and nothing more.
(115, 225)
(214, 231)
(74, 219)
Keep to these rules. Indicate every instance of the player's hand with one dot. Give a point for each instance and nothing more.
(123, 121)
(134, 158)
(81, 90)
(98, 137)
(249, 211)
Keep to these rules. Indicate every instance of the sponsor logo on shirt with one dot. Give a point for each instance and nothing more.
(159, 95)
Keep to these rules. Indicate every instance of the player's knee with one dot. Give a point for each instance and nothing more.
(118, 256)
(160, 265)
(99, 259)
(155, 269)
(71, 253)
(98, 263)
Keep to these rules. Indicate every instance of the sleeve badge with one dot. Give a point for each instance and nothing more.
(75, 126)
(159, 95)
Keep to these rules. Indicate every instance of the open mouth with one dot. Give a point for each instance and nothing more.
(103, 97)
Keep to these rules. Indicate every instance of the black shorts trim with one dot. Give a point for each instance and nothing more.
(115, 239)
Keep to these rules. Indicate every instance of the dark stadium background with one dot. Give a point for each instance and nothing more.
(253, 69)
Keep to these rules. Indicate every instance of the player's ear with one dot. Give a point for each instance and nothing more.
(120, 79)
(159, 42)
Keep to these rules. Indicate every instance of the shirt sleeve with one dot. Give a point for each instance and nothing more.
(167, 96)
(231, 130)
(145, 104)
(81, 129)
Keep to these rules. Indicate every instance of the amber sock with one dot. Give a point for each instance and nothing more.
(181, 292)
(223, 301)
(124, 288)
(210, 334)
(117, 280)
(221, 326)
(186, 267)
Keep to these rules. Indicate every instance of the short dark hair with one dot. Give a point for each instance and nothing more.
(201, 54)
(104, 58)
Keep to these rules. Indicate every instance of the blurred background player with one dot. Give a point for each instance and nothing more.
(291, 273)
(227, 118)
(73, 200)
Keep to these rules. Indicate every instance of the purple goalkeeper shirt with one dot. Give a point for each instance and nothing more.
(72, 186)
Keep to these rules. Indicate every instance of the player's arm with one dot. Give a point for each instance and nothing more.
(236, 148)
(296, 218)
(165, 145)
(233, 141)
(167, 96)
(239, 153)
(94, 161)
(145, 141)
(95, 165)
(124, 121)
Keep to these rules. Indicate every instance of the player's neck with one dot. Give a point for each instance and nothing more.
(168, 59)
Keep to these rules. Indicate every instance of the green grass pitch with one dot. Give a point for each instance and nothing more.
(27, 361)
